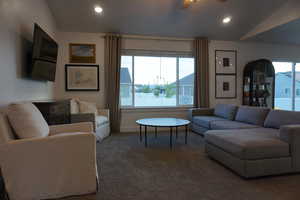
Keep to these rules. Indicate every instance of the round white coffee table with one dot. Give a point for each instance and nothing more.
(163, 123)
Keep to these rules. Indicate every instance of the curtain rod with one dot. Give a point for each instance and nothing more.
(142, 37)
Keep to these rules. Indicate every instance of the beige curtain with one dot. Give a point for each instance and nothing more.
(201, 93)
(112, 78)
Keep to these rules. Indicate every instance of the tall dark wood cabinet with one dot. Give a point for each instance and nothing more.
(55, 112)
(259, 84)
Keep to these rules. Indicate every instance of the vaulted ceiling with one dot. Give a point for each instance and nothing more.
(260, 20)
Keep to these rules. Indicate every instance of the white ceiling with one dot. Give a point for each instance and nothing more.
(168, 18)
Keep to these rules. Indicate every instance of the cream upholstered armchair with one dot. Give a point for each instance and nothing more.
(82, 111)
(45, 162)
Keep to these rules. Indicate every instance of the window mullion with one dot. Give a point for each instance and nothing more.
(133, 81)
(293, 85)
(177, 81)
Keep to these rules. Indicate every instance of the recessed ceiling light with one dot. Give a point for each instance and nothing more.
(98, 9)
(226, 20)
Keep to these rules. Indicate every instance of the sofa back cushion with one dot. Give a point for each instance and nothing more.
(6, 132)
(277, 118)
(252, 115)
(27, 121)
(226, 111)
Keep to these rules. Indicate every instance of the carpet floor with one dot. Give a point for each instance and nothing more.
(129, 171)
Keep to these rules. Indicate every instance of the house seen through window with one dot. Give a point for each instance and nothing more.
(156, 81)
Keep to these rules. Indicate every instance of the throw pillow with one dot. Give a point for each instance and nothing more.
(27, 121)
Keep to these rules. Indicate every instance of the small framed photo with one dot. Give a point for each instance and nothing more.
(226, 61)
(82, 77)
(82, 53)
(225, 87)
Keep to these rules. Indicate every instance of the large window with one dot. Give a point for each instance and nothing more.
(287, 85)
(157, 81)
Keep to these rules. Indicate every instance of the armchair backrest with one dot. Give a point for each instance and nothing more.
(6, 132)
(74, 106)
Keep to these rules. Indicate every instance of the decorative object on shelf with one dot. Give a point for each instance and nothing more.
(225, 86)
(82, 53)
(259, 84)
(225, 79)
(226, 61)
(82, 77)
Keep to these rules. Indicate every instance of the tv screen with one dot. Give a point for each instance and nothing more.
(44, 56)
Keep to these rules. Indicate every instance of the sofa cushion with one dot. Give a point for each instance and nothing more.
(226, 111)
(249, 144)
(252, 115)
(6, 132)
(205, 121)
(27, 121)
(226, 124)
(101, 120)
(277, 118)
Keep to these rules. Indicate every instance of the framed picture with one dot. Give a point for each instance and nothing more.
(82, 53)
(225, 87)
(226, 61)
(82, 77)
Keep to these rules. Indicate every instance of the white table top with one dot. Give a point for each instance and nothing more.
(163, 122)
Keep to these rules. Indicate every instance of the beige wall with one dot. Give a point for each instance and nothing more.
(17, 18)
(65, 38)
(246, 52)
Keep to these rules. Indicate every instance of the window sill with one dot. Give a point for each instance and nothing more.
(156, 109)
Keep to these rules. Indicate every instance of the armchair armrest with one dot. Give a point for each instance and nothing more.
(50, 167)
(199, 111)
(86, 127)
(291, 135)
(103, 112)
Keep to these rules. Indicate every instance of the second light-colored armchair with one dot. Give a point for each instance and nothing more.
(49, 162)
(82, 111)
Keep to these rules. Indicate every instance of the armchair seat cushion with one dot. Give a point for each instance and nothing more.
(205, 121)
(101, 120)
(226, 124)
(249, 144)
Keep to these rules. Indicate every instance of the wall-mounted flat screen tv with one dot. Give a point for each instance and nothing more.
(44, 56)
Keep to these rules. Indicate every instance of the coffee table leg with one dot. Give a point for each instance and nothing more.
(146, 136)
(171, 137)
(186, 133)
(155, 132)
(141, 137)
(176, 132)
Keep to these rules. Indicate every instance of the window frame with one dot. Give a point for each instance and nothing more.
(166, 54)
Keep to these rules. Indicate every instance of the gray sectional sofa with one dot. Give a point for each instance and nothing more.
(251, 141)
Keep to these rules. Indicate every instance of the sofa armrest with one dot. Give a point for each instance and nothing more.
(85, 127)
(50, 167)
(103, 112)
(291, 135)
(200, 112)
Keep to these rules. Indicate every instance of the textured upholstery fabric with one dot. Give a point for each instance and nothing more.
(198, 129)
(291, 135)
(252, 115)
(226, 111)
(250, 168)
(86, 127)
(88, 107)
(27, 121)
(101, 120)
(250, 144)
(206, 120)
(74, 106)
(226, 124)
(200, 112)
(6, 133)
(277, 118)
(50, 167)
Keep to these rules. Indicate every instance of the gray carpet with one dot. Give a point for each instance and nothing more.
(129, 171)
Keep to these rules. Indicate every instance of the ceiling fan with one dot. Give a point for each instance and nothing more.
(187, 3)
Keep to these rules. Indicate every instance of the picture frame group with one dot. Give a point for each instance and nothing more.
(225, 74)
